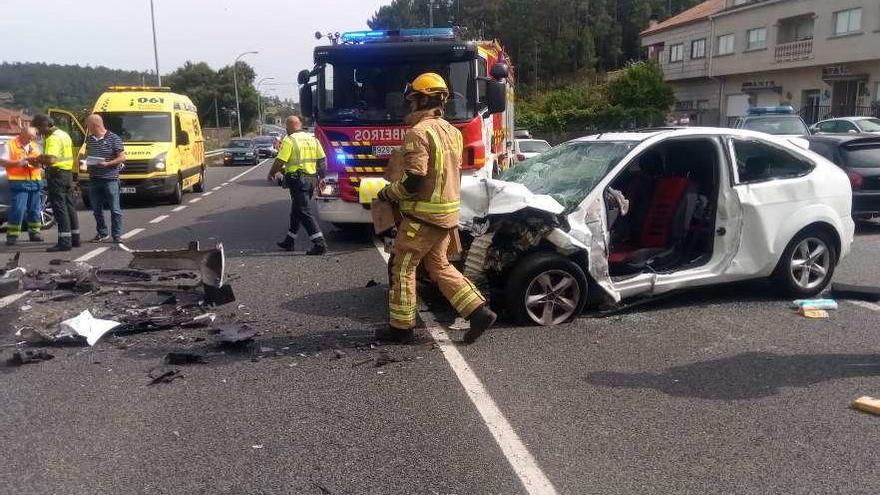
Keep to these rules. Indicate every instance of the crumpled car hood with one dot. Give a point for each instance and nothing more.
(481, 197)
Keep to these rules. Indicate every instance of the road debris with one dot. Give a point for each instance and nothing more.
(184, 358)
(372, 283)
(235, 334)
(86, 325)
(816, 314)
(163, 375)
(826, 304)
(856, 292)
(867, 404)
(20, 358)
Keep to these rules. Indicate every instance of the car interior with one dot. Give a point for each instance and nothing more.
(661, 208)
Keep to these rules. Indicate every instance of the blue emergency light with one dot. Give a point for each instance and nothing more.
(398, 34)
(782, 109)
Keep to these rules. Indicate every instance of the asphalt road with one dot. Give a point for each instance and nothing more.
(720, 391)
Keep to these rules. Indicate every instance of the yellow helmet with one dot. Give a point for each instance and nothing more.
(429, 84)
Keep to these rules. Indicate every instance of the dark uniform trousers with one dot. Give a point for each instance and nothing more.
(60, 188)
(302, 187)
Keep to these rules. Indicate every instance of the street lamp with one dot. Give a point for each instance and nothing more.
(235, 83)
(155, 45)
(260, 103)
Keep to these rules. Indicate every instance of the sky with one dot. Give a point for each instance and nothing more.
(117, 33)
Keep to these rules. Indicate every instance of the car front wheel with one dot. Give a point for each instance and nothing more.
(546, 289)
(807, 264)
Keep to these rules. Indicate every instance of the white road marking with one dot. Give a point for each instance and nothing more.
(521, 460)
(239, 176)
(93, 253)
(6, 301)
(207, 193)
(195, 200)
(180, 208)
(216, 188)
(160, 218)
(866, 305)
(225, 184)
(132, 233)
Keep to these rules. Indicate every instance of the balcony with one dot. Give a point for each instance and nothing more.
(794, 51)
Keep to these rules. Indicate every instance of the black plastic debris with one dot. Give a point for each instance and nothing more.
(159, 298)
(58, 262)
(218, 296)
(20, 358)
(855, 292)
(372, 283)
(234, 334)
(184, 358)
(163, 375)
(9, 286)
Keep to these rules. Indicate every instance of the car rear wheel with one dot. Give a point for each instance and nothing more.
(201, 185)
(807, 264)
(546, 289)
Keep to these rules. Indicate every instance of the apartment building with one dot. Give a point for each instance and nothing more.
(723, 56)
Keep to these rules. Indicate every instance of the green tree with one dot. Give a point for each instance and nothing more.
(206, 87)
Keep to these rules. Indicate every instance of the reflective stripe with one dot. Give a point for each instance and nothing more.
(438, 167)
(462, 305)
(403, 281)
(464, 291)
(425, 207)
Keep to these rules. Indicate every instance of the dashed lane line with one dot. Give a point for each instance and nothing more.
(207, 193)
(239, 176)
(132, 233)
(160, 218)
(92, 254)
(180, 208)
(866, 305)
(195, 200)
(521, 460)
(217, 188)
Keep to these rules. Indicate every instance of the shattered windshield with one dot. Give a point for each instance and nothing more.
(570, 171)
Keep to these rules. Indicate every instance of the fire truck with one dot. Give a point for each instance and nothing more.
(354, 95)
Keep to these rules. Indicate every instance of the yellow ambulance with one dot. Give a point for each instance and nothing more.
(164, 146)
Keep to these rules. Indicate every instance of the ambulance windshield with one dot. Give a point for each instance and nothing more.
(372, 92)
(139, 127)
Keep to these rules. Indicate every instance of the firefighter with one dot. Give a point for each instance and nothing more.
(25, 184)
(303, 161)
(428, 195)
(57, 159)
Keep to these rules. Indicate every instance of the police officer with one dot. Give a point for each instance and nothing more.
(428, 195)
(25, 183)
(57, 159)
(303, 161)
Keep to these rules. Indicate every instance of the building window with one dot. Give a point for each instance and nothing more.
(676, 52)
(698, 48)
(757, 38)
(848, 21)
(726, 44)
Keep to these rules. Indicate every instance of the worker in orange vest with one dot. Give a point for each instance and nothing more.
(25, 179)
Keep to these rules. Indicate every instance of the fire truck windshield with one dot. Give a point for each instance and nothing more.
(372, 92)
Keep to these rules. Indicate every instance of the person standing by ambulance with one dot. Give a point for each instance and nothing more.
(428, 197)
(105, 158)
(302, 161)
(25, 184)
(57, 159)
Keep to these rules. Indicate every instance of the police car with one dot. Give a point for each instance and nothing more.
(779, 121)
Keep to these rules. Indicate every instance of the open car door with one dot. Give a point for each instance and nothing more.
(68, 123)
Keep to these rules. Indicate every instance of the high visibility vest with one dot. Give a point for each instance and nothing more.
(17, 153)
(300, 152)
(438, 201)
(59, 145)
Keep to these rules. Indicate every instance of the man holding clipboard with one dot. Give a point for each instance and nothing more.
(105, 158)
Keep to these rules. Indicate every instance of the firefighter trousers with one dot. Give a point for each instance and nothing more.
(419, 242)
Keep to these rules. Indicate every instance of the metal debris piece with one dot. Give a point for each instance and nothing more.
(234, 334)
(11, 264)
(184, 358)
(210, 262)
(163, 375)
(200, 321)
(158, 298)
(9, 286)
(218, 296)
(20, 358)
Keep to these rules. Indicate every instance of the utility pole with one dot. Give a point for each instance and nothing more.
(216, 112)
(536, 66)
(260, 104)
(430, 13)
(235, 83)
(155, 45)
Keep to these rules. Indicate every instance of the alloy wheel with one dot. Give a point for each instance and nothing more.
(810, 263)
(552, 297)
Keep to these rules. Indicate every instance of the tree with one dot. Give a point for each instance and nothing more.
(205, 87)
(641, 85)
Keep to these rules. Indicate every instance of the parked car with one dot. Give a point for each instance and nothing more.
(859, 156)
(617, 216)
(527, 148)
(847, 125)
(265, 146)
(779, 121)
(241, 151)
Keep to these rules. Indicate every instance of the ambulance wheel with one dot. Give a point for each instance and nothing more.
(200, 186)
(546, 289)
(176, 197)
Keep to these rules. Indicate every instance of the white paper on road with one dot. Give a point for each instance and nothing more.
(86, 325)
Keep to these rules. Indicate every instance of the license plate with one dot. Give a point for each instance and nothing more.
(383, 150)
(128, 190)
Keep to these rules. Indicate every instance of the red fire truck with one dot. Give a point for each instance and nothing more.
(354, 94)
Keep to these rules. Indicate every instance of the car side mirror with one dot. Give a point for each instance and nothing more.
(496, 96)
(182, 138)
(499, 71)
(852, 131)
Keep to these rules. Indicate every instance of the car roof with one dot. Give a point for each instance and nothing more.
(645, 134)
(841, 138)
(847, 119)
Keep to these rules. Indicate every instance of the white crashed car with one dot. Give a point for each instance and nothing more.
(612, 217)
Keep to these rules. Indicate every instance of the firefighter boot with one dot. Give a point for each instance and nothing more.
(395, 335)
(481, 319)
(64, 244)
(287, 244)
(317, 249)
